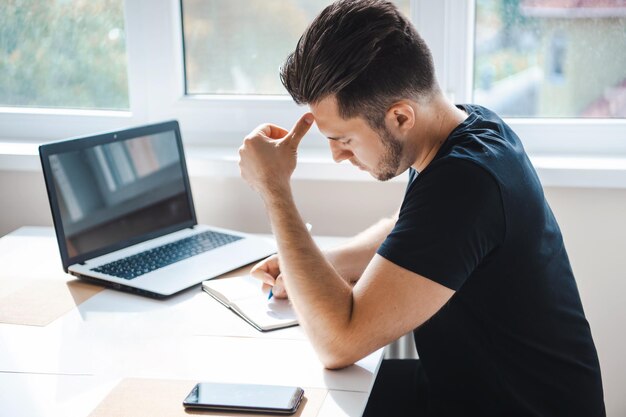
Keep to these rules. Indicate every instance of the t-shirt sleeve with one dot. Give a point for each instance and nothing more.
(451, 219)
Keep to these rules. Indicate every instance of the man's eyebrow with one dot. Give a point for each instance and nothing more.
(332, 138)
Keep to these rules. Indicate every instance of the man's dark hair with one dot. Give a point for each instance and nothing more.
(366, 53)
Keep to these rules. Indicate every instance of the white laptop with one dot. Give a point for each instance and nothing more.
(124, 216)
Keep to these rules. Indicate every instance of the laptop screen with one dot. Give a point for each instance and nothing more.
(119, 191)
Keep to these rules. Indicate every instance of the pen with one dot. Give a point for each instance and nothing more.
(309, 226)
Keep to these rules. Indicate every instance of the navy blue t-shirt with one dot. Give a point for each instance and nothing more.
(513, 340)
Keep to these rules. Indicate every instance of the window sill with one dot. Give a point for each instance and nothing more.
(316, 164)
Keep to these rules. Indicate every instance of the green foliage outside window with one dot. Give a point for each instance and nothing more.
(63, 53)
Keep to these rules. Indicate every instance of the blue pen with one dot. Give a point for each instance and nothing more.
(271, 292)
(308, 227)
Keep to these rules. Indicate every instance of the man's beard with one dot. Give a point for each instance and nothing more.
(392, 157)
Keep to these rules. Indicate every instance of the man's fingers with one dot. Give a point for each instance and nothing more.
(263, 276)
(278, 290)
(299, 130)
(271, 131)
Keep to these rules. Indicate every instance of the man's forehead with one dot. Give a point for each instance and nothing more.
(326, 108)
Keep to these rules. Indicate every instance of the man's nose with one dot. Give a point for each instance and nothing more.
(339, 152)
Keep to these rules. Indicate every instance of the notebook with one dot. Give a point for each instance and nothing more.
(124, 215)
(245, 296)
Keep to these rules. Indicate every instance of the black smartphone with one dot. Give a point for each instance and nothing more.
(251, 398)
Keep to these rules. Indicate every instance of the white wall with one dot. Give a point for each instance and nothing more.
(592, 221)
(594, 227)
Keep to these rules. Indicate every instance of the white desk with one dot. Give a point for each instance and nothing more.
(67, 367)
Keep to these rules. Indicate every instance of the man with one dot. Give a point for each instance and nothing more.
(473, 263)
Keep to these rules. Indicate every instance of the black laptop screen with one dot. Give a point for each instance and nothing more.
(119, 191)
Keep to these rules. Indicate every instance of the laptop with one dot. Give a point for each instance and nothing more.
(124, 215)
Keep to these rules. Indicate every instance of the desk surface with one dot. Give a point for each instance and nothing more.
(69, 366)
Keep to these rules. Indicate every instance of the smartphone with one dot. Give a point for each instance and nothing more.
(251, 398)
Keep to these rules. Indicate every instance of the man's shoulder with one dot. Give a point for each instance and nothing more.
(483, 147)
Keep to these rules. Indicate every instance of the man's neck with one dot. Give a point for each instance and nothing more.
(437, 120)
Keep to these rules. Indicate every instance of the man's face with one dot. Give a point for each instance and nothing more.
(377, 152)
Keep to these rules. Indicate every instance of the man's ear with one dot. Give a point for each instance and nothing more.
(400, 117)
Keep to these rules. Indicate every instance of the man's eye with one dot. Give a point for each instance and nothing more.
(347, 141)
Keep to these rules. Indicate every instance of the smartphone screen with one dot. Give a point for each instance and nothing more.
(244, 397)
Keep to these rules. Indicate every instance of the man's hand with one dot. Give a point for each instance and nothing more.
(268, 155)
(268, 271)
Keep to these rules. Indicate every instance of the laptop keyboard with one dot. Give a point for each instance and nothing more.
(133, 266)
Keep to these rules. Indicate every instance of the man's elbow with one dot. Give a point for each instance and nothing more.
(334, 362)
(338, 355)
(342, 346)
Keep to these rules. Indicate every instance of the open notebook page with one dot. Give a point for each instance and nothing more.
(246, 297)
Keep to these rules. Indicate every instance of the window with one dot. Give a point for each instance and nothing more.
(213, 66)
(63, 54)
(549, 58)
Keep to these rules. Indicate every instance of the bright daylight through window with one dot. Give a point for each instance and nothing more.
(551, 58)
(234, 47)
(63, 54)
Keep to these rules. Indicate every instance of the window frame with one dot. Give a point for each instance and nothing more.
(599, 137)
(157, 90)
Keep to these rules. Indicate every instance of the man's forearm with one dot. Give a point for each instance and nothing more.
(322, 299)
(351, 258)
